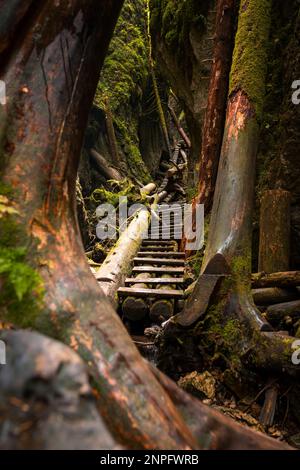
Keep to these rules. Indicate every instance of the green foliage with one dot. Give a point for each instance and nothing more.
(125, 68)
(175, 19)
(20, 285)
(250, 58)
(119, 189)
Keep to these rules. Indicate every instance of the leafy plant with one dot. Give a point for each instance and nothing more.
(21, 289)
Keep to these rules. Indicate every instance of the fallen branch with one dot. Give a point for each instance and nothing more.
(108, 171)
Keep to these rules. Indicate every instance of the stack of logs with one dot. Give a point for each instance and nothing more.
(276, 290)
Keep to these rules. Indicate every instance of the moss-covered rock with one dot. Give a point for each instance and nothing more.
(122, 84)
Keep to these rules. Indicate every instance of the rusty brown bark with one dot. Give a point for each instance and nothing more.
(230, 230)
(51, 79)
(216, 104)
(180, 129)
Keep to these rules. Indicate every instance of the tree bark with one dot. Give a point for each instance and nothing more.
(280, 279)
(13, 13)
(273, 295)
(48, 400)
(275, 223)
(51, 79)
(108, 171)
(230, 230)
(180, 129)
(216, 104)
(276, 313)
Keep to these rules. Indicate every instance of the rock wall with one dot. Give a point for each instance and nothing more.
(124, 82)
(183, 45)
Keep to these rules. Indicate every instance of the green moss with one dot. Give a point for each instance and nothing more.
(128, 132)
(21, 288)
(125, 68)
(175, 19)
(241, 269)
(250, 56)
(119, 189)
(123, 79)
(224, 334)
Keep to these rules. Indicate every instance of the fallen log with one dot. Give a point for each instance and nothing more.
(179, 127)
(276, 313)
(117, 265)
(275, 226)
(276, 279)
(108, 171)
(273, 295)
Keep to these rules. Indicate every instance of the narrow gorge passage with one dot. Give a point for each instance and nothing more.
(149, 227)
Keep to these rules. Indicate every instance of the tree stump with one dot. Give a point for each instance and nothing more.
(274, 242)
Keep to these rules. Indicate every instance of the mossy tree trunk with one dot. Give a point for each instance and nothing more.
(230, 231)
(51, 77)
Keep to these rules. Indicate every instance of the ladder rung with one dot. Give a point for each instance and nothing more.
(154, 280)
(157, 269)
(157, 249)
(160, 261)
(158, 293)
(159, 242)
(162, 254)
